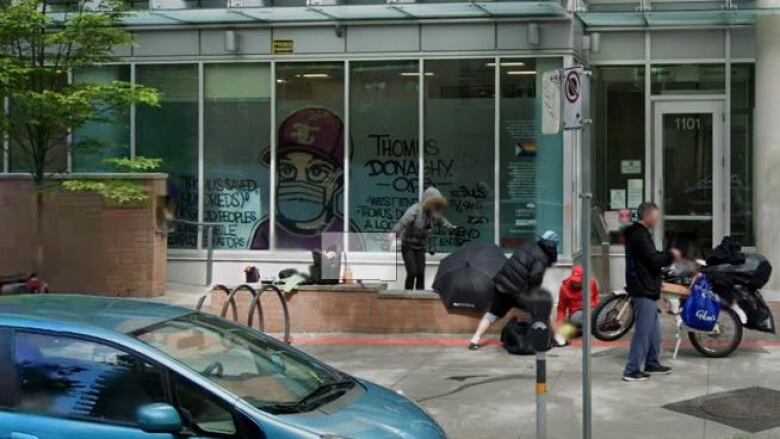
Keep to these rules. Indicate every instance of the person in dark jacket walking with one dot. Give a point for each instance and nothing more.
(643, 283)
(414, 228)
(521, 274)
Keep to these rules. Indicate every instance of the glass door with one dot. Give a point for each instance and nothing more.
(689, 174)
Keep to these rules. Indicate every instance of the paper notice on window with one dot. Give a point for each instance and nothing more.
(636, 192)
(612, 218)
(551, 102)
(617, 198)
(631, 166)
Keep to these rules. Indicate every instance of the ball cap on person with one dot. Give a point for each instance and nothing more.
(550, 236)
(314, 130)
(577, 273)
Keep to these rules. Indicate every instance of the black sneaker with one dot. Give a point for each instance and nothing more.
(474, 346)
(635, 377)
(659, 370)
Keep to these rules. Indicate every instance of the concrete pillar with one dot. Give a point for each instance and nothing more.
(766, 174)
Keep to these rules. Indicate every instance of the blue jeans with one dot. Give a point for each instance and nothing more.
(646, 344)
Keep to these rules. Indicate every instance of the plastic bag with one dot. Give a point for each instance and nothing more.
(759, 316)
(515, 337)
(701, 309)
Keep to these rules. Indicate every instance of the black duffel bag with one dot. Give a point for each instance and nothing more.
(515, 337)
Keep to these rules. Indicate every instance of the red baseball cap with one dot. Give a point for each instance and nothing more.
(577, 273)
(314, 130)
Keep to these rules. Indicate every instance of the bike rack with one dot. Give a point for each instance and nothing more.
(221, 288)
(255, 306)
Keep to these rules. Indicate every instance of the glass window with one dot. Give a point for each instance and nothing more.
(384, 128)
(170, 132)
(309, 155)
(237, 129)
(531, 164)
(97, 141)
(205, 415)
(459, 146)
(19, 148)
(689, 78)
(619, 140)
(742, 103)
(67, 377)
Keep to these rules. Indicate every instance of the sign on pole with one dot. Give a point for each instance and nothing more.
(572, 90)
(551, 102)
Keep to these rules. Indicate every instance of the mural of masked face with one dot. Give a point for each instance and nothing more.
(306, 190)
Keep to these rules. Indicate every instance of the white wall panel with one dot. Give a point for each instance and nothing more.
(166, 43)
(621, 46)
(383, 38)
(313, 39)
(458, 36)
(250, 42)
(688, 45)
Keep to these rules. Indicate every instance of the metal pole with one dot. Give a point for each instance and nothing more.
(209, 253)
(541, 395)
(585, 135)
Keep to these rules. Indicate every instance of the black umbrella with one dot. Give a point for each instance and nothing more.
(465, 277)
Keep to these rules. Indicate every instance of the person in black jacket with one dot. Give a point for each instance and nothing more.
(643, 283)
(521, 274)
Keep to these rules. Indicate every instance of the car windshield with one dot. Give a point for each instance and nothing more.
(264, 372)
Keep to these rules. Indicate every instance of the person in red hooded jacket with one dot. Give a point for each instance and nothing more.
(570, 298)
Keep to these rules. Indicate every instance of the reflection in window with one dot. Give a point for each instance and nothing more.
(170, 132)
(742, 103)
(236, 133)
(74, 378)
(688, 79)
(384, 127)
(97, 141)
(459, 146)
(205, 415)
(619, 142)
(309, 155)
(531, 163)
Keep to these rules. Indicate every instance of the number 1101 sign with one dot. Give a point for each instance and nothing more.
(687, 123)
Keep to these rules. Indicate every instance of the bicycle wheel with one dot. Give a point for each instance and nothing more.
(723, 340)
(613, 318)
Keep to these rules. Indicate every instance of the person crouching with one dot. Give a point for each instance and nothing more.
(522, 273)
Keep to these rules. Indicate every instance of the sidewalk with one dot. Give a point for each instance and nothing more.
(489, 394)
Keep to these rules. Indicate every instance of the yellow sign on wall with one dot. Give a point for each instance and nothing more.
(283, 47)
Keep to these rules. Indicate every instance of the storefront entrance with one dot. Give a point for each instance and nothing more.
(688, 173)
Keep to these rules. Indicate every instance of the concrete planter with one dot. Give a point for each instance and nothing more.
(89, 246)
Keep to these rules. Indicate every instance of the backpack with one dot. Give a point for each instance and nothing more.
(701, 309)
(514, 336)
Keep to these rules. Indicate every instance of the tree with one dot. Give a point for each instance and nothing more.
(39, 48)
(41, 43)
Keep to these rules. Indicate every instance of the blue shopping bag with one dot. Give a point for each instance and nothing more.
(701, 310)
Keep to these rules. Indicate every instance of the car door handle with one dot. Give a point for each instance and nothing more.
(16, 435)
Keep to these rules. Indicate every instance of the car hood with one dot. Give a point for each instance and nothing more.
(379, 413)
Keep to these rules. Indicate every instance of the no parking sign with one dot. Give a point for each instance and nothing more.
(564, 92)
(573, 88)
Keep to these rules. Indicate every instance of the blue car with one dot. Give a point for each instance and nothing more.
(81, 367)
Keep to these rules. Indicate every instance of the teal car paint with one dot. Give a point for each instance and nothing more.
(265, 388)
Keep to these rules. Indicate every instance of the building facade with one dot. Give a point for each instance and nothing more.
(284, 122)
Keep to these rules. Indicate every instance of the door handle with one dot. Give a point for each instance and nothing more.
(16, 435)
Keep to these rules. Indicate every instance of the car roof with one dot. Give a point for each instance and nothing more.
(110, 313)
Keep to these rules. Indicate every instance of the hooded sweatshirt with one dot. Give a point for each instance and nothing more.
(417, 223)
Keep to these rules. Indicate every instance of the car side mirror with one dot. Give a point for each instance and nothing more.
(159, 418)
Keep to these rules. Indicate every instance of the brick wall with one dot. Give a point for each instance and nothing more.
(355, 312)
(89, 246)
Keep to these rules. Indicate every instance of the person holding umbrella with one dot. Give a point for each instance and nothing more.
(520, 276)
(414, 228)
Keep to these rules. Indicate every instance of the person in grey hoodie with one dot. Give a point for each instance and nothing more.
(414, 228)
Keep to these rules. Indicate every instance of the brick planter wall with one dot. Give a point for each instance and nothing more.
(355, 311)
(89, 247)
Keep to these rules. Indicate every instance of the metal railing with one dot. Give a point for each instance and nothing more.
(208, 228)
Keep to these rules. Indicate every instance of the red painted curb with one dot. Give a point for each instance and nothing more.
(463, 342)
